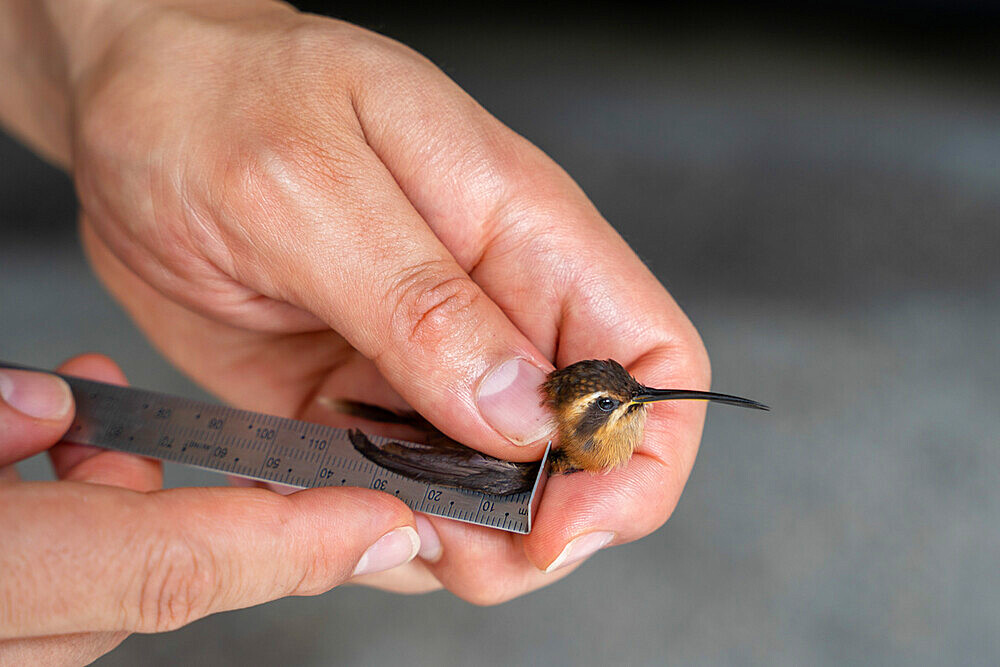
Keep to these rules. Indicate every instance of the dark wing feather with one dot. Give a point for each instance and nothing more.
(441, 460)
(449, 464)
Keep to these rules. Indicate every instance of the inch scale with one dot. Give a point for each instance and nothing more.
(268, 448)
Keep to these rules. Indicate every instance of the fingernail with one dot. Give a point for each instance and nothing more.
(430, 543)
(37, 395)
(391, 550)
(511, 402)
(580, 548)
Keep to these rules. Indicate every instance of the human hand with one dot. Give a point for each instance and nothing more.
(295, 209)
(104, 552)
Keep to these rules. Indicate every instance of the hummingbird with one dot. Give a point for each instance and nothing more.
(599, 412)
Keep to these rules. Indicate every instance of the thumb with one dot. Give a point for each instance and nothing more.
(82, 557)
(354, 252)
(35, 411)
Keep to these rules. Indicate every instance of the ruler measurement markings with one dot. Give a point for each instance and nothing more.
(320, 468)
(222, 438)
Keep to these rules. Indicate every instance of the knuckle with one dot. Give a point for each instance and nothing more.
(431, 302)
(262, 194)
(307, 41)
(176, 585)
(354, 56)
(487, 159)
(275, 166)
(400, 69)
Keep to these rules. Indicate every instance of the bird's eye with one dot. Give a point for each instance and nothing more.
(606, 404)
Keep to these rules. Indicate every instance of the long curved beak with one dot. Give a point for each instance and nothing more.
(650, 395)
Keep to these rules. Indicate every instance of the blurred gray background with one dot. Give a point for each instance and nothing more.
(820, 193)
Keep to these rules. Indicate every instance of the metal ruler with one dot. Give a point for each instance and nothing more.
(268, 448)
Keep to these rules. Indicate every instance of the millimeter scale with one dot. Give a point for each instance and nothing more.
(269, 448)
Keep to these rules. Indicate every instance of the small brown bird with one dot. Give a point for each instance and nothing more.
(600, 414)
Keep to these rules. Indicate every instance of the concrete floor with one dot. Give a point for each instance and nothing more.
(830, 221)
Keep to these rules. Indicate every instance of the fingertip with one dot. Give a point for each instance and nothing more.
(431, 548)
(94, 366)
(374, 511)
(580, 548)
(627, 503)
(38, 396)
(83, 463)
(35, 411)
(397, 547)
(510, 400)
(323, 536)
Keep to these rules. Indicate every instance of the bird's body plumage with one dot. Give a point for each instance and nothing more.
(591, 437)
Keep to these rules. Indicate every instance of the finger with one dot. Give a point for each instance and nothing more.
(83, 557)
(82, 463)
(35, 410)
(330, 231)
(498, 202)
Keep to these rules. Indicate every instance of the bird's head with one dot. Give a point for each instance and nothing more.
(600, 410)
(596, 413)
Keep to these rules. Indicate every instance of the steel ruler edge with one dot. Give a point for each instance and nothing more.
(269, 448)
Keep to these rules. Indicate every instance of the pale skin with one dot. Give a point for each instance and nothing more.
(294, 209)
